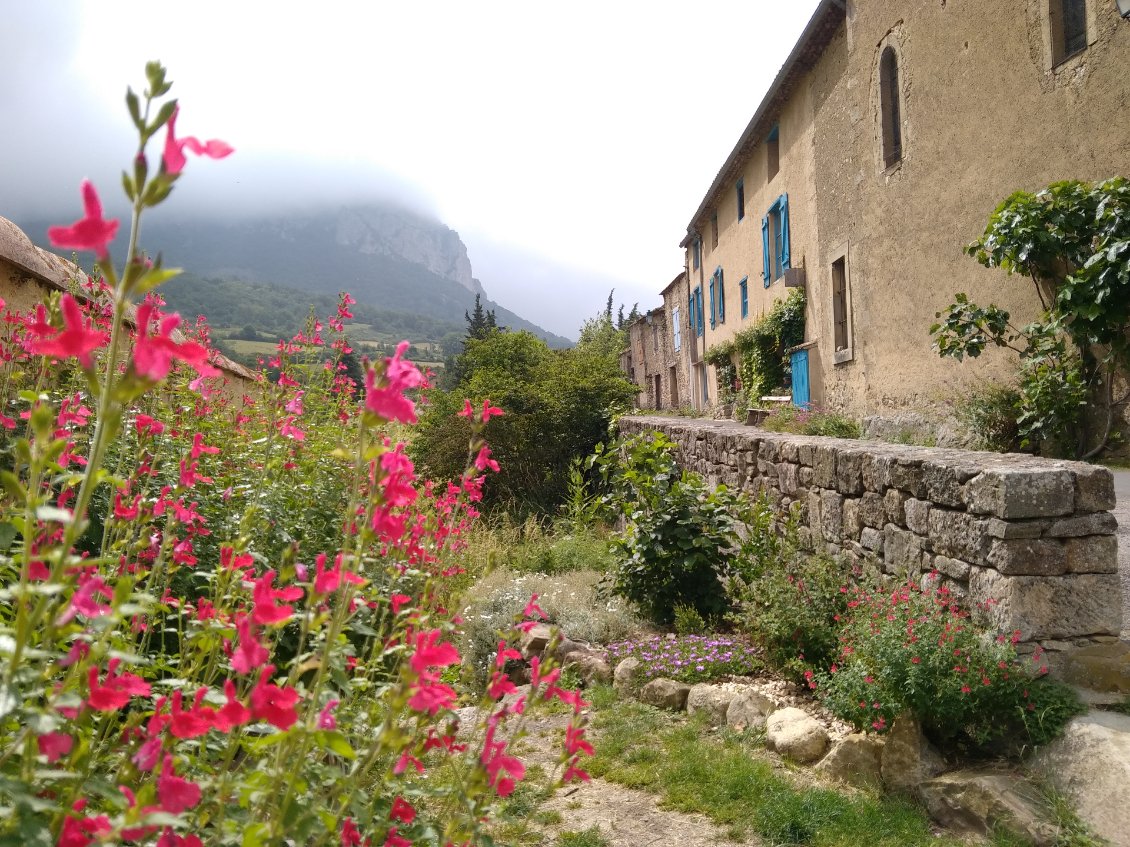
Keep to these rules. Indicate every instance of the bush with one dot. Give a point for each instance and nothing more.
(673, 550)
(811, 421)
(914, 649)
(688, 658)
(989, 414)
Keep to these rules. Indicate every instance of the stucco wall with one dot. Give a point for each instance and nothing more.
(984, 113)
(1031, 540)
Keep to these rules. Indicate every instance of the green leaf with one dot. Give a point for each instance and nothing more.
(335, 742)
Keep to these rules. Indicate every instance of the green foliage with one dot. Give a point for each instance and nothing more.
(1073, 241)
(811, 421)
(762, 366)
(557, 403)
(916, 650)
(591, 837)
(688, 621)
(786, 601)
(989, 415)
(673, 548)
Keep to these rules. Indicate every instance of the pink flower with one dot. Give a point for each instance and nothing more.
(430, 654)
(174, 157)
(267, 608)
(54, 745)
(117, 689)
(90, 233)
(402, 811)
(76, 339)
(484, 461)
(233, 713)
(533, 610)
(249, 654)
(326, 719)
(174, 793)
(350, 836)
(490, 411)
(386, 396)
(393, 839)
(153, 354)
(468, 410)
(325, 581)
(273, 704)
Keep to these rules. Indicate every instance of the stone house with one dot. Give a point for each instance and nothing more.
(890, 134)
(28, 273)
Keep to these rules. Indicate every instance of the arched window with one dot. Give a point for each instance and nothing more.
(889, 103)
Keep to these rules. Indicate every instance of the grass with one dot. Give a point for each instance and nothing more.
(591, 837)
(727, 778)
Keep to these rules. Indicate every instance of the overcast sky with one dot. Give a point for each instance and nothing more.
(568, 143)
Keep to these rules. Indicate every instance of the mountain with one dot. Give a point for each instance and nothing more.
(388, 258)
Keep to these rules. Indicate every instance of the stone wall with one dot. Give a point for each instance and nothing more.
(1031, 540)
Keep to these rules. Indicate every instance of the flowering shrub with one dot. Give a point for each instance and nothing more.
(225, 618)
(915, 649)
(688, 658)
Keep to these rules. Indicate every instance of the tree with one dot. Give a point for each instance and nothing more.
(480, 322)
(1072, 241)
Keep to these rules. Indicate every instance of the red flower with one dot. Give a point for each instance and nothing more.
(430, 654)
(350, 837)
(325, 581)
(267, 609)
(484, 461)
(90, 233)
(490, 411)
(234, 713)
(386, 397)
(154, 353)
(76, 339)
(174, 793)
(273, 704)
(250, 654)
(115, 692)
(174, 157)
(54, 745)
(394, 840)
(402, 811)
(468, 410)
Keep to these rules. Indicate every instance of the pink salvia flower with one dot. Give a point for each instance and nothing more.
(174, 157)
(386, 396)
(54, 745)
(490, 411)
(267, 608)
(92, 232)
(174, 793)
(76, 339)
(153, 354)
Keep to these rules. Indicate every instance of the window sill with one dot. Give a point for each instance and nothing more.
(844, 356)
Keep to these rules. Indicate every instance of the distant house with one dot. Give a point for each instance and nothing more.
(892, 131)
(28, 273)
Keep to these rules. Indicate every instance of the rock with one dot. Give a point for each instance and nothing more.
(795, 735)
(977, 802)
(1094, 554)
(1021, 493)
(1043, 607)
(1094, 488)
(855, 760)
(626, 680)
(1094, 523)
(1100, 667)
(711, 699)
(748, 710)
(902, 550)
(1031, 556)
(535, 640)
(590, 665)
(565, 647)
(666, 694)
(908, 758)
(1091, 765)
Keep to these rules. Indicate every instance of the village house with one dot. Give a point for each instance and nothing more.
(888, 137)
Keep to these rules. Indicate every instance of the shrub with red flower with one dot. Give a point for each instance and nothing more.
(225, 617)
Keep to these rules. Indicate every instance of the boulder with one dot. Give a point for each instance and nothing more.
(1090, 763)
(1101, 667)
(748, 710)
(535, 640)
(976, 802)
(855, 760)
(908, 758)
(714, 700)
(565, 646)
(627, 677)
(665, 694)
(795, 735)
(590, 665)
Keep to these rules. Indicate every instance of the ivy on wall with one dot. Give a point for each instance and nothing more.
(753, 363)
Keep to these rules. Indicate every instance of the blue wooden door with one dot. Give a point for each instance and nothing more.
(800, 379)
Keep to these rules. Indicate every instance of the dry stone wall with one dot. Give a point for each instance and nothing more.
(1031, 541)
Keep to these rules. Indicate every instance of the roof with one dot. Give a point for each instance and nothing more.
(818, 33)
(680, 278)
(55, 272)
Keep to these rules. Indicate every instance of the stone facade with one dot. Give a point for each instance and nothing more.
(985, 104)
(1029, 541)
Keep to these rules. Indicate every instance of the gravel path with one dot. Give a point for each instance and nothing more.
(1122, 513)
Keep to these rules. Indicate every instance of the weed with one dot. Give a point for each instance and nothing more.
(591, 837)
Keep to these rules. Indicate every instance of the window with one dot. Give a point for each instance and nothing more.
(714, 231)
(721, 296)
(694, 311)
(676, 330)
(775, 240)
(743, 287)
(713, 307)
(673, 381)
(1069, 28)
(773, 152)
(840, 308)
(741, 198)
(696, 252)
(889, 104)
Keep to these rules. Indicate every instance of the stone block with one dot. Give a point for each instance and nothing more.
(824, 466)
(796, 735)
(815, 511)
(872, 511)
(876, 472)
(787, 478)
(1027, 556)
(907, 474)
(627, 679)
(713, 700)
(1100, 667)
(769, 451)
(849, 472)
(1092, 523)
(665, 694)
(855, 760)
(748, 710)
(806, 476)
(1043, 607)
(805, 453)
(902, 550)
(953, 568)
(893, 502)
(917, 514)
(1021, 493)
(789, 452)
(943, 486)
(871, 539)
(1015, 529)
(832, 516)
(957, 534)
(908, 759)
(766, 469)
(852, 524)
(1094, 489)
(981, 801)
(1096, 554)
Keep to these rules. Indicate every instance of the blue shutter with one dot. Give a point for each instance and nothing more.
(765, 250)
(784, 202)
(721, 298)
(699, 311)
(712, 321)
(743, 286)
